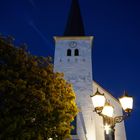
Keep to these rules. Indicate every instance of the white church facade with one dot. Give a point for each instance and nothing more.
(73, 57)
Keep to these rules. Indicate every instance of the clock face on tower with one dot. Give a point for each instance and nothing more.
(73, 44)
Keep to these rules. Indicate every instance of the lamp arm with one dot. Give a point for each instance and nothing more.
(119, 119)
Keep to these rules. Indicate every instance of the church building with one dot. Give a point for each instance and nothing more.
(73, 57)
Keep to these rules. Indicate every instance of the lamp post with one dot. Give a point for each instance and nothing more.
(106, 110)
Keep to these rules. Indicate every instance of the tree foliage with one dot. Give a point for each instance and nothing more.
(36, 103)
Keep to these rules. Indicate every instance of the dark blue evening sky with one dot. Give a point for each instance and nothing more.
(115, 24)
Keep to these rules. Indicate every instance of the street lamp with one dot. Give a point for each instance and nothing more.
(126, 102)
(106, 110)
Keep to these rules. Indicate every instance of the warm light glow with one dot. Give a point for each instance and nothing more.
(127, 103)
(107, 128)
(108, 110)
(98, 100)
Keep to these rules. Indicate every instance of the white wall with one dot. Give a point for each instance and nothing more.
(78, 71)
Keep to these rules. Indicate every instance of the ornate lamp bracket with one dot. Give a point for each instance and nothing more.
(119, 119)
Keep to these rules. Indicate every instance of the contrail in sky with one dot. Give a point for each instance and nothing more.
(39, 32)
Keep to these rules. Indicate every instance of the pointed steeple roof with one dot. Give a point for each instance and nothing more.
(74, 25)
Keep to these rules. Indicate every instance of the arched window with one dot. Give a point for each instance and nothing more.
(76, 52)
(68, 52)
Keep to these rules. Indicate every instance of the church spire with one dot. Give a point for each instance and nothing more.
(74, 25)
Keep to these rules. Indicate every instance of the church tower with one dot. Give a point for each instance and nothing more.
(73, 57)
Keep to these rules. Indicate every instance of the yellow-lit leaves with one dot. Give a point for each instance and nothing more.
(35, 102)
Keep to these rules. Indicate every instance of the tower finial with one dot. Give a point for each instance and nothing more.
(75, 26)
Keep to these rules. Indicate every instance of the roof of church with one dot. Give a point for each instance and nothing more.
(74, 26)
(107, 92)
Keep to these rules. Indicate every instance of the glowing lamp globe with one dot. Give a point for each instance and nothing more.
(108, 110)
(98, 100)
(126, 103)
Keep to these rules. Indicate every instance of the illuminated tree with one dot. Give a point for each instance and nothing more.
(36, 103)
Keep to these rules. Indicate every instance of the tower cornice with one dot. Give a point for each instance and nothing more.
(57, 38)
